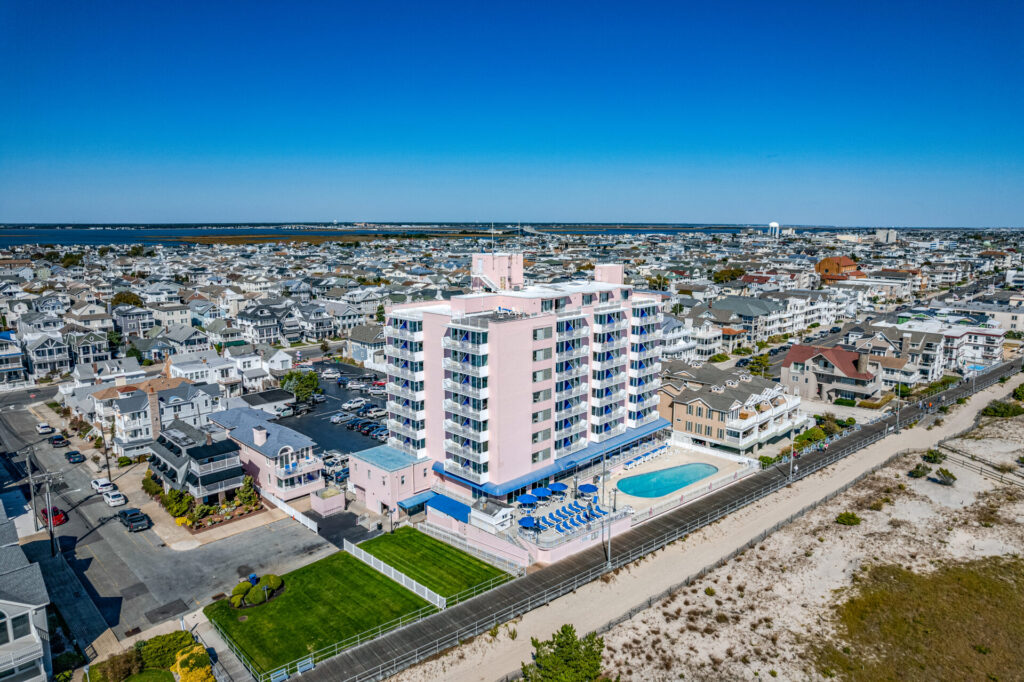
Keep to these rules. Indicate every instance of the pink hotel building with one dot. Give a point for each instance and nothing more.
(513, 386)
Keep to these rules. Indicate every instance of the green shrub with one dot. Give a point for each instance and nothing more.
(710, 591)
(1018, 393)
(848, 519)
(196, 658)
(934, 457)
(1000, 408)
(811, 435)
(272, 581)
(743, 350)
(122, 666)
(124, 461)
(766, 461)
(920, 471)
(176, 502)
(255, 596)
(159, 652)
(850, 421)
(237, 600)
(151, 487)
(718, 357)
(241, 588)
(945, 477)
(845, 402)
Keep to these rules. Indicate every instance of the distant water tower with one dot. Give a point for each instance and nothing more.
(773, 230)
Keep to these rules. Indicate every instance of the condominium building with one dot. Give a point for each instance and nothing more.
(520, 385)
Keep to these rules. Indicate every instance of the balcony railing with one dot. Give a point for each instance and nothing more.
(610, 433)
(219, 465)
(643, 420)
(647, 353)
(576, 371)
(574, 333)
(614, 344)
(572, 391)
(465, 346)
(31, 651)
(607, 382)
(397, 427)
(403, 373)
(480, 414)
(404, 354)
(466, 431)
(613, 397)
(465, 389)
(565, 412)
(403, 334)
(651, 368)
(578, 352)
(467, 473)
(616, 413)
(462, 451)
(403, 392)
(608, 364)
(604, 327)
(404, 410)
(214, 488)
(299, 467)
(466, 368)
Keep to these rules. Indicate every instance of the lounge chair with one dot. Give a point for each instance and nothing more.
(600, 511)
(559, 529)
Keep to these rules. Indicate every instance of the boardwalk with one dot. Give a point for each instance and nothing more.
(402, 648)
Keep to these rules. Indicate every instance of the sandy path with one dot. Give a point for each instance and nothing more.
(593, 606)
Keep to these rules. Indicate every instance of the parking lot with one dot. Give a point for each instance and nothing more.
(134, 579)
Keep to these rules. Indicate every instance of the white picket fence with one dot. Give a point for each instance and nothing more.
(399, 577)
(290, 510)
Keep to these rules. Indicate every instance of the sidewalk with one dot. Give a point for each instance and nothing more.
(598, 603)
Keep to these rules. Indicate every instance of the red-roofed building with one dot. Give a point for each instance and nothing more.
(836, 268)
(824, 373)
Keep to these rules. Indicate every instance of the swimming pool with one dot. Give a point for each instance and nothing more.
(665, 481)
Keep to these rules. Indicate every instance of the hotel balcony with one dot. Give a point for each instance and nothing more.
(465, 389)
(466, 368)
(616, 413)
(467, 410)
(578, 427)
(402, 392)
(572, 391)
(636, 423)
(580, 351)
(605, 327)
(404, 354)
(651, 401)
(465, 346)
(565, 412)
(562, 451)
(454, 448)
(397, 428)
(403, 334)
(579, 370)
(653, 368)
(610, 433)
(619, 361)
(456, 469)
(614, 344)
(581, 332)
(400, 444)
(649, 352)
(609, 382)
(401, 373)
(466, 431)
(613, 397)
(404, 410)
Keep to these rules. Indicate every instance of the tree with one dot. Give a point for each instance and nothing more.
(727, 275)
(380, 313)
(760, 365)
(301, 384)
(247, 494)
(126, 297)
(658, 282)
(677, 308)
(114, 338)
(565, 658)
(134, 352)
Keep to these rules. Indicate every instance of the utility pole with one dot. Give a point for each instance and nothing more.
(31, 488)
(48, 478)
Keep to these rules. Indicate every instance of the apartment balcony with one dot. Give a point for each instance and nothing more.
(580, 332)
(608, 364)
(465, 346)
(609, 382)
(610, 433)
(636, 423)
(219, 465)
(215, 488)
(465, 389)
(400, 444)
(566, 412)
(579, 370)
(454, 448)
(398, 428)
(751, 417)
(466, 368)
(21, 654)
(651, 368)
(456, 469)
(616, 413)
(402, 373)
(651, 401)
(403, 392)
(404, 354)
(302, 466)
(580, 351)
(467, 410)
(404, 410)
(465, 431)
(568, 431)
(563, 451)
(614, 344)
(648, 353)
(613, 397)
(605, 327)
(403, 334)
(572, 391)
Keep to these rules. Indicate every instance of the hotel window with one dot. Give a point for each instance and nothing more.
(541, 436)
(541, 416)
(588, 299)
(541, 396)
(604, 297)
(547, 305)
(542, 354)
(541, 455)
(542, 333)
(541, 375)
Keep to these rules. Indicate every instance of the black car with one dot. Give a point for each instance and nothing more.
(835, 330)
(58, 441)
(134, 520)
(74, 457)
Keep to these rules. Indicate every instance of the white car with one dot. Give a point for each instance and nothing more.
(102, 485)
(43, 429)
(354, 404)
(376, 413)
(356, 386)
(377, 391)
(330, 374)
(114, 498)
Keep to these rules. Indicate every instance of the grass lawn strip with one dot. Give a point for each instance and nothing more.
(961, 622)
(152, 676)
(322, 604)
(430, 562)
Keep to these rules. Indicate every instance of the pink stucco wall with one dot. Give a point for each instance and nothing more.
(479, 538)
(382, 488)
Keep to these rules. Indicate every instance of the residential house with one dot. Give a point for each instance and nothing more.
(24, 625)
(13, 372)
(133, 321)
(46, 354)
(190, 459)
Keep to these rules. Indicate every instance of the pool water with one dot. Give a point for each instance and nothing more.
(665, 481)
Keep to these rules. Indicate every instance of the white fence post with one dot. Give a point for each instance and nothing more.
(290, 510)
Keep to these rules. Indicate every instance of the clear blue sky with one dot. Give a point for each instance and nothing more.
(852, 113)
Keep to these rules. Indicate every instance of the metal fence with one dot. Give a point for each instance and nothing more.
(396, 575)
(687, 498)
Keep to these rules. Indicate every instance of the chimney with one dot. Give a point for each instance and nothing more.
(259, 435)
(862, 363)
(905, 343)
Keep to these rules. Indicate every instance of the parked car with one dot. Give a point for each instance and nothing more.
(102, 485)
(58, 441)
(330, 374)
(356, 385)
(42, 428)
(74, 457)
(318, 398)
(379, 383)
(283, 411)
(302, 408)
(53, 515)
(377, 391)
(133, 519)
(376, 413)
(354, 404)
(835, 330)
(339, 418)
(743, 362)
(114, 499)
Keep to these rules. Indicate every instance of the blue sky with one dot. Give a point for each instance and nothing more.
(882, 113)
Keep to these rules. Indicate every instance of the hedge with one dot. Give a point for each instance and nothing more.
(845, 402)
(255, 596)
(241, 588)
(160, 651)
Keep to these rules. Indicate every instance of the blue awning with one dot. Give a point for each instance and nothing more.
(416, 500)
(453, 508)
(527, 522)
(527, 499)
(584, 456)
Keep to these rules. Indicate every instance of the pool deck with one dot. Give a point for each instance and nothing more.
(674, 456)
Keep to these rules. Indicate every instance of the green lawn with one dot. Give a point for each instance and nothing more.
(432, 563)
(322, 603)
(152, 676)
